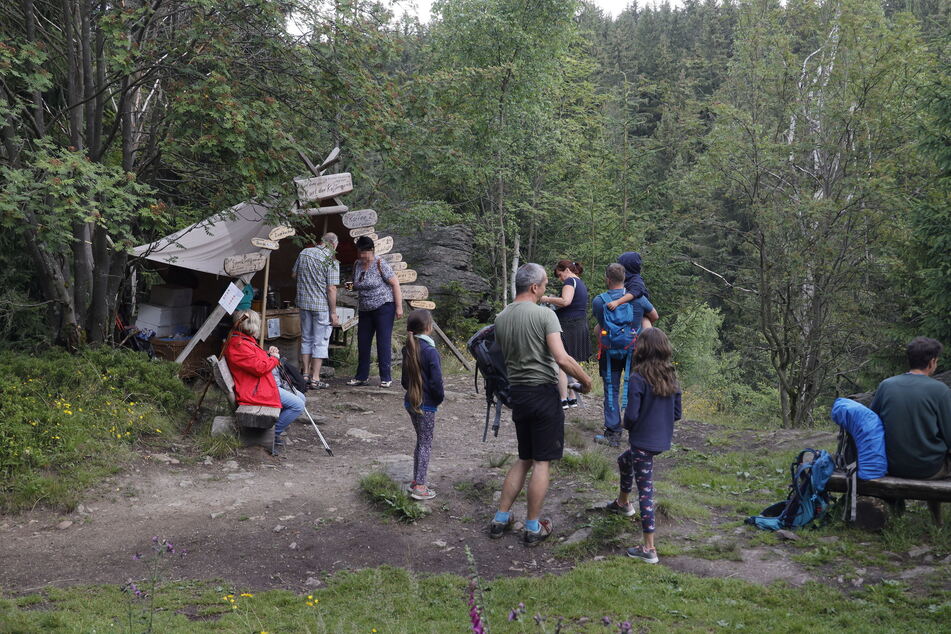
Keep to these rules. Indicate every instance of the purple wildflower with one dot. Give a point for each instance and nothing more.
(626, 627)
(513, 615)
(606, 620)
(137, 557)
(155, 539)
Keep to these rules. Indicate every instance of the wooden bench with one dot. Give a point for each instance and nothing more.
(893, 490)
(254, 424)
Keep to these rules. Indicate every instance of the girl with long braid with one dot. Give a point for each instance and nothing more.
(422, 380)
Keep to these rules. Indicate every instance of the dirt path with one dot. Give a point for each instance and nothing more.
(261, 522)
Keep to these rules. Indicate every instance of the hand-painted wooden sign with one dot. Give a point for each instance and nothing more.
(279, 233)
(359, 218)
(324, 211)
(236, 265)
(362, 231)
(323, 187)
(264, 243)
(383, 245)
(372, 236)
(406, 276)
(422, 303)
(392, 257)
(398, 266)
(414, 292)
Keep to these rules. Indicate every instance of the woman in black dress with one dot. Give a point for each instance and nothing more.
(572, 310)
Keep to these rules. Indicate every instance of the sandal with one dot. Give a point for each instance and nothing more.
(307, 382)
(356, 382)
(317, 384)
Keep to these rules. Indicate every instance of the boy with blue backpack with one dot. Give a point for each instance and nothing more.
(617, 334)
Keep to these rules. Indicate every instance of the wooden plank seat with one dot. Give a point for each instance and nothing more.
(256, 416)
(892, 489)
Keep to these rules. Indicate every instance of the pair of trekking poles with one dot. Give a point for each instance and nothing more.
(287, 380)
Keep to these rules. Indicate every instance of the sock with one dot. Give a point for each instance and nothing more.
(532, 526)
(501, 517)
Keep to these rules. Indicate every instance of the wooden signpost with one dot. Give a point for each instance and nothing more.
(359, 218)
(383, 245)
(399, 266)
(323, 211)
(362, 231)
(423, 303)
(238, 265)
(323, 187)
(414, 292)
(406, 276)
(392, 257)
(264, 243)
(281, 232)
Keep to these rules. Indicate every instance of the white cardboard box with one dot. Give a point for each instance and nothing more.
(166, 321)
(273, 327)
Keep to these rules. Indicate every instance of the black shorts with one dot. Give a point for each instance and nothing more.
(539, 421)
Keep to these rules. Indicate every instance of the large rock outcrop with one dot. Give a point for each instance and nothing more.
(442, 258)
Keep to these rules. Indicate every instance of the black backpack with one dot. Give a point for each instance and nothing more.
(490, 362)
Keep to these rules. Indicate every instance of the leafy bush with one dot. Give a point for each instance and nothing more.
(65, 418)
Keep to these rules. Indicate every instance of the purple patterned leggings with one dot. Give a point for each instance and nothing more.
(424, 424)
(637, 465)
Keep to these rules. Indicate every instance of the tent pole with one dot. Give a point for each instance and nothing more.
(267, 273)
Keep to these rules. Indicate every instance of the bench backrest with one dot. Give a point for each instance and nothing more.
(223, 378)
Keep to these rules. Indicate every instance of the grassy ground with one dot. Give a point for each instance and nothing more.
(67, 420)
(650, 598)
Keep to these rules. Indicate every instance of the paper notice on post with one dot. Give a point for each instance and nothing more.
(232, 297)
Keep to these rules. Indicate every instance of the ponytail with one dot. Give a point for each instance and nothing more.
(417, 322)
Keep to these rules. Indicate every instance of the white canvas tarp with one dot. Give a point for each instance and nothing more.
(204, 245)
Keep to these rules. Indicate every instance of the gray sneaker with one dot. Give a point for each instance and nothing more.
(497, 529)
(626, 510)
(646, 555)
(533, 538)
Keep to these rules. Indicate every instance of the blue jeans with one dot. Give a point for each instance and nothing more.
(377, 322)
(612, 405)
(292, 406)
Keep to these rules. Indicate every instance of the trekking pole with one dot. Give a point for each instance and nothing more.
(319, 435)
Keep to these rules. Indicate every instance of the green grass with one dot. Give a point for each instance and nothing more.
(652, 598)
(607, 531)
(387, 496)
(591, 464)
(67, 420)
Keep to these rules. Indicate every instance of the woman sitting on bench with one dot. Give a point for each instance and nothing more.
(254, 383)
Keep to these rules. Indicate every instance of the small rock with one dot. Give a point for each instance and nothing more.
(216, 514)
(860, 571)
(455, 418)
(231, 465)
(918, 551)
(362, 434)
(857, 583)
(917, 571)
(185, 484)
(208, 461)
(946, 560)
(439, 543)
(244, 475)
(289, 485)
(64, 525)
(313, 582)
(162, 457)
(928, 559)
(279, 528)
(174, 461)
(599, 557)
(787, 535)
(285, 518)
(332, 509)
(496, 496)
(579, 535)
(293, 546)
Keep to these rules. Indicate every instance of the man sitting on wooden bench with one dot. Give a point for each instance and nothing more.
(916, 412)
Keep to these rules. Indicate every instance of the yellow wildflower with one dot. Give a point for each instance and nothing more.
(247, 594)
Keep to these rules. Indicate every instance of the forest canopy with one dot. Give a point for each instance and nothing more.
(783, 167)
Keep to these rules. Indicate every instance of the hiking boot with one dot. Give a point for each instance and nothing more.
(533, 538)
(279, 445)
(627, 510)
(610, 437)
(647, 555)
(421, 492)
(497, 529)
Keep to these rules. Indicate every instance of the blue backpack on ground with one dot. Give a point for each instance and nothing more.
(617, 341)
(807, 501)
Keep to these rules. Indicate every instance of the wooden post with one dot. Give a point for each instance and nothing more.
(267, 272)
(455, 351)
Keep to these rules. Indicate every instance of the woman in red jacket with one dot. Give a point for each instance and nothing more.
(252, 370)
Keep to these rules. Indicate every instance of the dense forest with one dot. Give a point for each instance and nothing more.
(783, 167)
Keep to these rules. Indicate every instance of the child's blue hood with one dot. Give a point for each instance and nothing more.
(631, 261)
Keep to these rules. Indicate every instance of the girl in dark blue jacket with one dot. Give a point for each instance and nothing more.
(653, 404)
(422, 380)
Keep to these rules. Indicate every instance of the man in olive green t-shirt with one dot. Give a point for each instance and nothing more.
(530, 338)
(916, 412)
